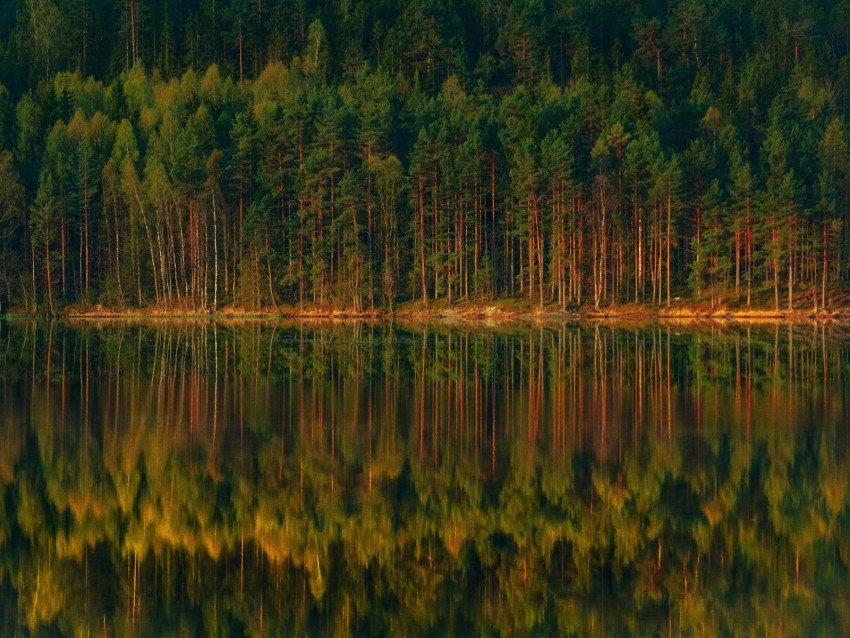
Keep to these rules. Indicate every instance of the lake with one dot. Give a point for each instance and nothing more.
(253, 478)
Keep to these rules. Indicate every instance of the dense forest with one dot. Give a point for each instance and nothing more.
(357, 480)
(204, 154)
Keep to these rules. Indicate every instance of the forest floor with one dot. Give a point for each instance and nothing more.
(761, 309)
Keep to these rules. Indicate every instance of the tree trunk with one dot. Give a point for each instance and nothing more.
(47, 273)
(118, 253)
(150, 240)
(215, 253)
(749, 240)
(737, 262)
(790, 267)
(823, 274)
(63, 251)
(86, 241)
(422, 242)
(269, 268)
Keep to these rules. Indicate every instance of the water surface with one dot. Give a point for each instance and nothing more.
(260, 479)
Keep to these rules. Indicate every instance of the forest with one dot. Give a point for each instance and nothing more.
(272, 154)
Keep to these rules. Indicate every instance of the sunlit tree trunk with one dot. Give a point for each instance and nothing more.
(47, 273)
(790, 265)
(422, 242)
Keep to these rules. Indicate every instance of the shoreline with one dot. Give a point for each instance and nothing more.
(468, 312)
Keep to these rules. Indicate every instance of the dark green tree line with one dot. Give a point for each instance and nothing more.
(275, 154)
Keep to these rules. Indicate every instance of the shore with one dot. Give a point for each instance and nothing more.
(502, 310)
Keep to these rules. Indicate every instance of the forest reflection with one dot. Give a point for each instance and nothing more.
(201, 478)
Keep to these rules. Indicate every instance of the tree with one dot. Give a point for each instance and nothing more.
(12, 222)
(779, 212)
(42, 21)
(669, 187)
(44, 211)
(711, 262)
(742, 192)
(561, 152)
(833, 197)
(389, 186)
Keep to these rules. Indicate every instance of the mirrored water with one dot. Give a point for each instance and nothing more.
(261, 479)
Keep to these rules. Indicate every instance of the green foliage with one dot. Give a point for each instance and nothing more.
(373, 152)
(11, 209)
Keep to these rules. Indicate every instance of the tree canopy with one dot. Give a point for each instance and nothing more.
(204, 154)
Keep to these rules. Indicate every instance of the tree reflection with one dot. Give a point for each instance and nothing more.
(256, 479)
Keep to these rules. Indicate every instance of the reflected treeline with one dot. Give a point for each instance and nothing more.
(215, 479)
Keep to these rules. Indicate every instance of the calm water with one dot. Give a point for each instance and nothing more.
(251, 479)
